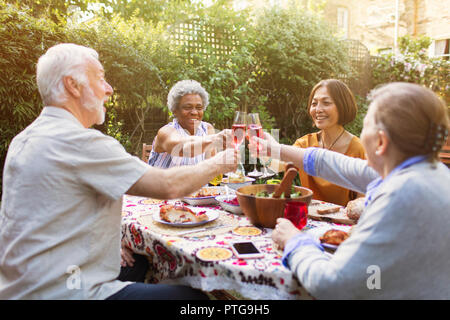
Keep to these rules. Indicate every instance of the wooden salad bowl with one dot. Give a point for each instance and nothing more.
(264, 212)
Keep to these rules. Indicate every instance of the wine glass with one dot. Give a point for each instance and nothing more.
(267, 172)
(238, 127)
(239, 124)
(254, 129)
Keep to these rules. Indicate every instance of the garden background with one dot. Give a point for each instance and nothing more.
(266, 63)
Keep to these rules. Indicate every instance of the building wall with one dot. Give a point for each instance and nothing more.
(373, 21)
(433, 18)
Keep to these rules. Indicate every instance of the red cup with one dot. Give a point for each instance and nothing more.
(297, 213)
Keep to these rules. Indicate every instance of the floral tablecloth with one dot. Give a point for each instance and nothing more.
(174, 258)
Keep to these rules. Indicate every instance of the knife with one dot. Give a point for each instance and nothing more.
(203, 229)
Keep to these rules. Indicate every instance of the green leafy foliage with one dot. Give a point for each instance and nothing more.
(55, 10)
(231, 79)
(271, 67)
(23, 40)
(139, 64)
(412, 64)
(294, 50)
(155, 11)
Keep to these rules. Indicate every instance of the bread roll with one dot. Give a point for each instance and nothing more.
(355, 208)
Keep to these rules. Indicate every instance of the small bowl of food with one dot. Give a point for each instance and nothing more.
(229, 203)
(236, 183)
(204, 196)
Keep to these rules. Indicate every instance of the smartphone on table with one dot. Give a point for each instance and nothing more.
(246, 250)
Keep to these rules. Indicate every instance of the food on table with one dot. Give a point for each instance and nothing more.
(206, 192)
(355, 208)
(247, 231)
(265, 194)
(151, 201)
(233, 201)
(235, 178)
(328, 210)
(214, 254)
(180, 214)
(334, 236)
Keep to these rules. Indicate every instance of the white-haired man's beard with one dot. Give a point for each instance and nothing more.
(92, 103)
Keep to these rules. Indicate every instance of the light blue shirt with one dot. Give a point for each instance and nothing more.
(399, 249)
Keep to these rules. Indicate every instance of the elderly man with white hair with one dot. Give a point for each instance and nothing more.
(187, 139)
(62, 191)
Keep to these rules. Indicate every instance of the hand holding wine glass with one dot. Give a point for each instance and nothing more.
(265, 148)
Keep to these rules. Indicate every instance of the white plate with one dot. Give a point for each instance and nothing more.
(202, 254)
(329, 246)
(236, 209)
(254, 175)
(236, 185)
(203, 201)
(200, 201)
(212, 215)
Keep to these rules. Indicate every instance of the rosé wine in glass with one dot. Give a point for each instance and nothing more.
(238, 134)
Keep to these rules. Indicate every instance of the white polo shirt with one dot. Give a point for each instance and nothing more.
(61, 210)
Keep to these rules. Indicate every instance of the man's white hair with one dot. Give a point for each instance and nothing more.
(66, 59)
(182, 88)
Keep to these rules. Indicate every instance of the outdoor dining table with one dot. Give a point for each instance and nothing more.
(175, 257)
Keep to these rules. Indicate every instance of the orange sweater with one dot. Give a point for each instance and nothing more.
(324, 190)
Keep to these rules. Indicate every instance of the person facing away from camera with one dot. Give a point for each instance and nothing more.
(399, 247)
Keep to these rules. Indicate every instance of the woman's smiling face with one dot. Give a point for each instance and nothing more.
(323, 110)
(189, 112)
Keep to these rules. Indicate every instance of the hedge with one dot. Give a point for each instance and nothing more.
(278, 59)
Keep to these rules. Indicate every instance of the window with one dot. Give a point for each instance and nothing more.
(342, 21)
(441, 48)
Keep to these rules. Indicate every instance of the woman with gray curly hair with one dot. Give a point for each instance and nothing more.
(186, 140)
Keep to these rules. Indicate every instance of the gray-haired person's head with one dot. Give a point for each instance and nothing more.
(66, 59)
(414, 117)
(182, 88)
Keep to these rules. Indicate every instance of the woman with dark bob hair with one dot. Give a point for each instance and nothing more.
(331, 106)
(399, 247)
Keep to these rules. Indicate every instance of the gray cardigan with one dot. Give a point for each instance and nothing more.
(400, 248)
